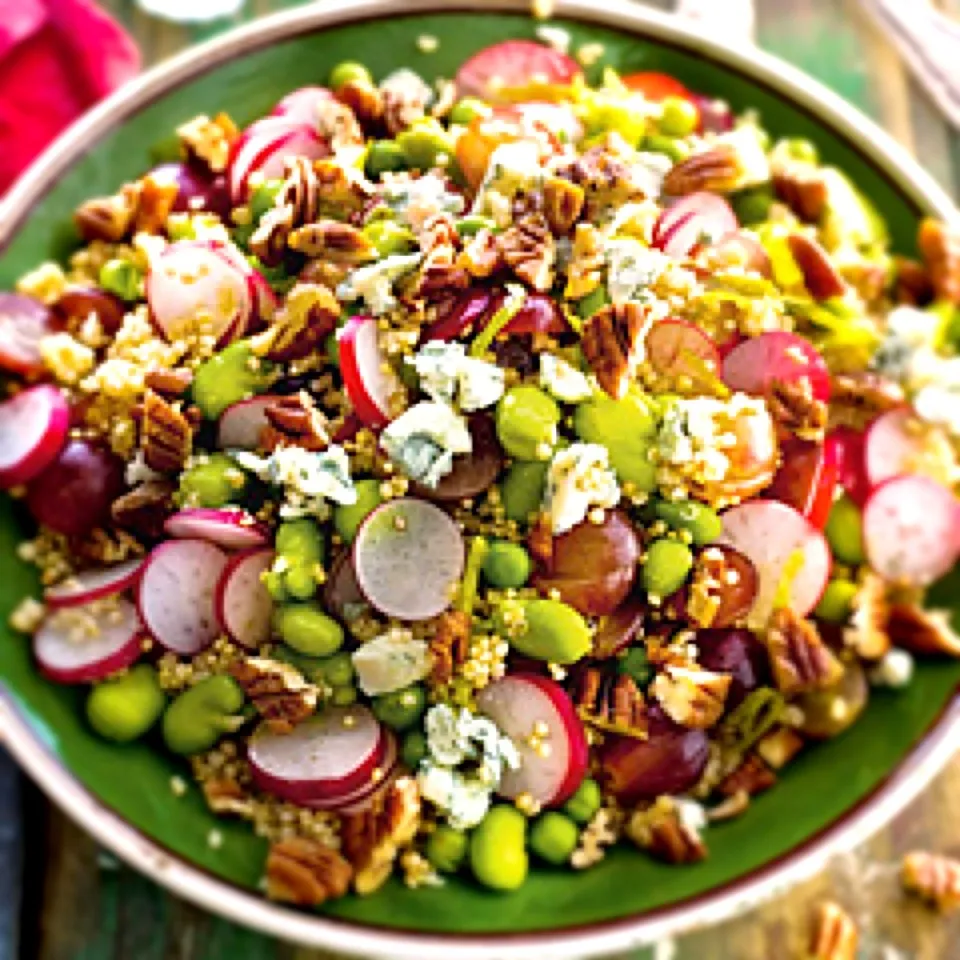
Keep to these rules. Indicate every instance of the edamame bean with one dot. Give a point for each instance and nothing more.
(306, 628)
(553, 837)
(124, 708)
(665, 566)
(300, 549)
(343, 696)
(447, 848)
(413, 749)
(123, 278)
(753, 204)
(799, 148)
(635, 664)
(676, 150)
(347, 519)
(472, 224)
(522, 489)
(424, 142)
(498, 855)
(604, 112)
(467, 109)
(526, 421)
(263, 197)
(552, 631)
(595, 300)
(844, 532)
(389, 237)
(700, 521)
(349, 72)
(337, 670)
(507, 565)
(202, 714)
(837, 601)
(678, 117)
(626, 427)
(232, 375)
(401, 709)
(212, 482)
(384, 156)
(585, 802)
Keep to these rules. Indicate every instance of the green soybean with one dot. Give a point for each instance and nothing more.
(349, 71)
(553, 837)
(635, 664)
(300, 550)
(212, 482)
(498, 855)
(585, 802)
(522, 489)
(424, 143)
(384, 156)
(447, 848)
(526, 421)
(844, 532)
(665, 567)
(343, 696)
(232, 375)
(799, 148)
(347, 519)
(467, 109)
(472, 224)
(413, 749)
(507, 565)
(553, 631)
(401, 709)
(124, 708)
(753, 204)
(676, 150)
(123, 278)
(595, 300)
(678, 117)
(700, 521)
(389, 237)
(626, 427)
(836, 603)
(306, 628)
(202, 714)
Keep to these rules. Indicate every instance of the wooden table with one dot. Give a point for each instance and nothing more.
(79, 904)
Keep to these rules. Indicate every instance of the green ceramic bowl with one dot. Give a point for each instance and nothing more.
(834, 796)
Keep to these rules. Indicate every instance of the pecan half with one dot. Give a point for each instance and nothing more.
(529, 249)
(820, 277)
(209, 140)
(269, 241)
(940, 248)
(834, 935)
(799, 658)
(691, 696)
(796, 410)
(611, 702)
(295, 421)
(366, 102)
(108, 218)
(309, 313)
(300, 190)
(802, 187)
(144, 509)
(922, 631)
(611, 342)
(867, 634)
(933, 878)
(166, 435)
(753, 776)
(717, 170)
(334, 241)
(169, 384)
(438, 275)
(340, 194)
(306, 872)
(665, 834)
(858, 398)
(779, 747)
(563, 203)
(607, 175)
(155, 200)
(277, 690)
(225, 795)
(585, 269)
(449, 644)
(337, 124)
(912, 285)
(480, 255)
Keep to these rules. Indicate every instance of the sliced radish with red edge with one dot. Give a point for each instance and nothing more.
(367, 375)
(777, 356)
(692, 221)
(267, 154)
(89, 585)
(24, 322)
(243, 605)
(231, 528)
(33, 430)
(254, 143)
(361, 797)
(897, 443)
(303, 105)
(241, 425)
(514, 63)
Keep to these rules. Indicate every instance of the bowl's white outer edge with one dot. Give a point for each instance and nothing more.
(598, 939)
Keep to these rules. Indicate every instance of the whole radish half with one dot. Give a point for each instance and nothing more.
(82, 588)
(326, 758)
(177, 591)
(754, 365)
(241, 425)
(911, 530)
(189, 283)
(896, 444)
(407, 557)
(522, 703)
(229, 527)
(786, 550)
(243, 605)
(33, 430)
(687, 224)
(86, 643)
(380, 777)
(366, 373)
(514, 63)
(303, 105)
(24, 322)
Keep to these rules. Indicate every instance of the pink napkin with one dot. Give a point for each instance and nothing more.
(57, 58)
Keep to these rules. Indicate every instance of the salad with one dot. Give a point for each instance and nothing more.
(453, 475)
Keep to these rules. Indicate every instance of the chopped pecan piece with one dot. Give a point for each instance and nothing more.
(802, 187)
(300, 190)
(796, 410)
(933, 878)
(439, 274)
(166, 435)
(225, 795)
(585, 270)
(481, 254)
(608, 177)
(169, 384)
(529, 249)
(334, 241)
(716, 169)
(562, 204)
(779, 747)
(732, 807)
(912, 285)
(858, 398)
(366, 102)
(612, 339)
(209, 141)
(665, 834)
(295, 421)
(753, 776)
(867, 633)
(449, 644)
(799, 658)
(108, 218)
(922, 631)
(155, 200)
(940, 248)
(337, 124)
(269, 241)
(308, 314)
(820, 277)
(834, 935)
(438, 230)
(372, 839)
(277, 690)
(340, 194)
(611, 702)
(306, 872)
(144, 509)
(691, 696)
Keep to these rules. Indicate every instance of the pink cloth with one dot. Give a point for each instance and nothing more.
(57, 58)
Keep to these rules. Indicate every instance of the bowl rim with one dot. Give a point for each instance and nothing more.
(238, 904)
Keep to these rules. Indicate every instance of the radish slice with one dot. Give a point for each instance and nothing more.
(230, 527)
(519, 704)
(24, 322)
(176, 594)
(262, 296)
(676, 348)
(243, 605)
(898, 443)
(788, 552)
(911, 530)
(690, 222)
(86, 643)
(407, 557)
(360, 798)
(251, 145)
(241, 425)
(366, 373)
(82, 588)
(303, 105)
(328, 757)
(190, 284)
(33, 430)
(754, 365)
(266, 153)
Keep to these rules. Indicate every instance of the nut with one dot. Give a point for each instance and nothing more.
(481, 254)
(306, 872)
(340, 194)
(155, 200)
(662, 832)
(585, 269)
(799, 658)
(277, 690)
(611, 703)
(529, 249)
(796, 410)
(333, 241)
(779, 747)
(716, 170)
(269, 241)
(166, 436)
(300, 190)
(225, 795)
(366, 102)
(608, 176)
(753, 776)
(858, 398)
(940, 248)
(612, 340)
(405, 99)
(309, 313)
(449, 644)
(438, 230)
(922, 631)
(867, 634)
(820, 277)
(834, 935)
(144, 509)
(439, 274)
(691, 696)
(295, 422)
(107, 218)
(802, 187)
(209, 141)
(934, 878)
(912, 285)
(337, 124)
(169, 384)
(563, 203)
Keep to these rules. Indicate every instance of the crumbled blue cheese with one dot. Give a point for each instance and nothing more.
(373, 282)
(894, 670)
(391, 662)
(579, 478)
(408, 85)
(416, 200)
(513, 168)
(631, 268)
(563, 380)
(424, 439)
(462, 739)
(449, 375)
(309, 478)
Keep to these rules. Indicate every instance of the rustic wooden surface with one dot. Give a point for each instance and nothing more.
(78, 904)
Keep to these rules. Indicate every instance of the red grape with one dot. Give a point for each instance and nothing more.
(737, 652)
(473, 472)
(197, 190)
(79, 302)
